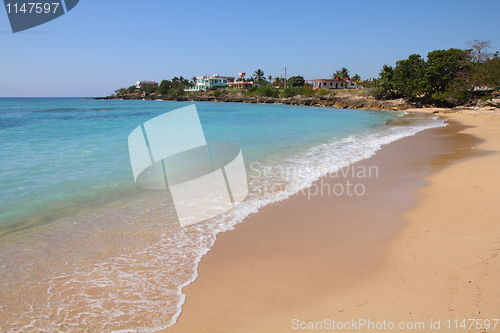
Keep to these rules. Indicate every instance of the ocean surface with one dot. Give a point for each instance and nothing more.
(82, 248)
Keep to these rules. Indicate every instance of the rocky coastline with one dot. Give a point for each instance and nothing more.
(341, 99)
(344, 99)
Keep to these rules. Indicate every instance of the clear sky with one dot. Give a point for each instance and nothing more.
(102, 45)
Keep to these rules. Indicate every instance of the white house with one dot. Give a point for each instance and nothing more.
(243, 84)
(210, 82)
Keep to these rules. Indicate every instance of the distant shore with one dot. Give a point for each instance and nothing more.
(340, 99)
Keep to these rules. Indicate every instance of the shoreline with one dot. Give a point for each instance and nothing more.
(218, 300)
(337, 99)
(340, 99)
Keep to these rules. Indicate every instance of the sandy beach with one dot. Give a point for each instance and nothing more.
(417, 250)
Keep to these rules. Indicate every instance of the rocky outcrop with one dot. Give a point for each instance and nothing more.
(341, 100)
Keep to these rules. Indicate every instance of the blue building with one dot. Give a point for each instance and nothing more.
(211, 82)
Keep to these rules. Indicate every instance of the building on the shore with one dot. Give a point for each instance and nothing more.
(333, 84)
(144, 83)
(243, 84)
(211, 82)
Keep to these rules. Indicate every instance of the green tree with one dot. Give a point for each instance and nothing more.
(408, 79)
(174, 87)
(383, 86)
(488, 74)
(164, 87)
(177, 88)
(295, 81)
(484, 65)
(341, 74)
(356, 78)
(148, 89)
(131, 89)
(121, 91)
(185, 82)
(278, 82)
(447, 78)
(442, 69)
(259, 75)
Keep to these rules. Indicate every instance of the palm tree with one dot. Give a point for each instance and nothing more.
(356, 79)
(341, 74)
(278, 82)
(270, 78)
(259, 75)
(193, 81)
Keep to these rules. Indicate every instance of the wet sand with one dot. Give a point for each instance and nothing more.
(378, 256)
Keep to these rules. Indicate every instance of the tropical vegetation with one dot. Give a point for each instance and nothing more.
(446, 78)
(341, 74)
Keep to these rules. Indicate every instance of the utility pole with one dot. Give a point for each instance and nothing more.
(284, 85)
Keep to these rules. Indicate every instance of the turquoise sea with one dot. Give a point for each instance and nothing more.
(83, 248)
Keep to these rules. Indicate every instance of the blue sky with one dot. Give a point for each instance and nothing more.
(102, 45)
